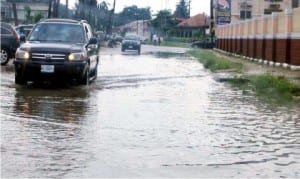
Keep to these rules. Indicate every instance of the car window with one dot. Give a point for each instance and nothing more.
(58, 32)
(131, 37)
(5, 31)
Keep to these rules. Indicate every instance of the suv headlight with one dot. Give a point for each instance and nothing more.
(22, 54)
(77, 56)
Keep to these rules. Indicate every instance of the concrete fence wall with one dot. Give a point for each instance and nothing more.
(274, 38)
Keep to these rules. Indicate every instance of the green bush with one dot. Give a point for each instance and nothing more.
(212, 62)
(265, 86)
(272, 86)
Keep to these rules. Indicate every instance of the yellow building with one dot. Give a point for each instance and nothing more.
(247, 9)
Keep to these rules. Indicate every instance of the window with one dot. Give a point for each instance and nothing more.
(245, 14)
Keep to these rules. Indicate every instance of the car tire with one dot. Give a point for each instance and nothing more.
(86, 77)
(123, 49)
(95, 73)
(139, 51)
(4, 56)
(20, 80)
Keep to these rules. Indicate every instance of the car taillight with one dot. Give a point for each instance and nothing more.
(16, 35)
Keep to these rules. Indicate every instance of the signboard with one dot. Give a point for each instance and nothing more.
(223, 12)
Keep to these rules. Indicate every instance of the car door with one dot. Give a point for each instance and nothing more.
(7, 38)
(92, 49)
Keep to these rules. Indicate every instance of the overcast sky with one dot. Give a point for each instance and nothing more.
(197, 6)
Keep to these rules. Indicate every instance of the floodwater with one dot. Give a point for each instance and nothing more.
(149, 115)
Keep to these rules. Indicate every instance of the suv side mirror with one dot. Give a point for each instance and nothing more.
(22, 38)
(93, 41)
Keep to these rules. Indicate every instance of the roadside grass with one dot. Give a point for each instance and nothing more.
(267, 87)
(212, 62)
(175, 44)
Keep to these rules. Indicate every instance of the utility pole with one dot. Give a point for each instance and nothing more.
(211, 20)
(111, 21)
(189, 6)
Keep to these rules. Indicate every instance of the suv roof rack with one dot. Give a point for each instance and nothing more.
(59, 20)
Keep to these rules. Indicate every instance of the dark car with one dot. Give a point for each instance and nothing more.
(131, 42)
(10, 41)
(58, 49)
(24, 29)
(205, 43)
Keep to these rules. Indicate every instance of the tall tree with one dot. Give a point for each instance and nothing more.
(28, 17)
(103, 16)
(132, 13)
(182, 10)
(164, 21)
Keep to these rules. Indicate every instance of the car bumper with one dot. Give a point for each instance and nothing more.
(130, 47)
(59, 71)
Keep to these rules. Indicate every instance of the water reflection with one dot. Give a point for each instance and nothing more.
(59, 102)
(46, 127)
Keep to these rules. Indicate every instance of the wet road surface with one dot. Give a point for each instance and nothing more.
(149, 115)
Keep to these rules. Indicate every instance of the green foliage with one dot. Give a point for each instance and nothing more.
(178, 39)
(97, 15)
(164, 21)
(212, 62)
(267, 87)
(272, 87)
(37, 17)
(175, 44)
(182, 10)
(28, 16)
(132, 13)
(200, 33)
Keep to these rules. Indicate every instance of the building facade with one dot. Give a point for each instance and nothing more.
(248, 9)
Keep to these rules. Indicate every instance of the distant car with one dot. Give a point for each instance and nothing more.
(205, 43)
(118, 38)
(10, 41)
(58, 49)
(131, 42)
(24, 29)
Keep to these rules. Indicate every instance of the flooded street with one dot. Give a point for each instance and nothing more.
(148, 115)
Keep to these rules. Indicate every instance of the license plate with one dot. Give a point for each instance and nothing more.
(47, 68)
(130, 46)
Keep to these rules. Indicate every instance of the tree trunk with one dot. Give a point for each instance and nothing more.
(15, 13)
(49, 8)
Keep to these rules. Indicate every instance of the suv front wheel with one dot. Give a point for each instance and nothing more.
(86, 77)
(20, 80)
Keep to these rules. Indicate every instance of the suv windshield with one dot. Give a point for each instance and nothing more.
(131, 37)
(55, 32)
